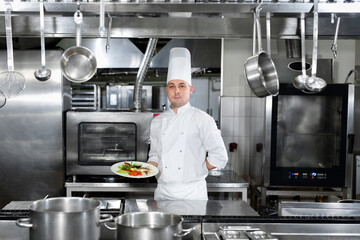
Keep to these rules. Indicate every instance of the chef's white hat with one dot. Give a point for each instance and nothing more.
(179, 65)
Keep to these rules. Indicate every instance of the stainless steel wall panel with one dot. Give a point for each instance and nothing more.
(31, 149)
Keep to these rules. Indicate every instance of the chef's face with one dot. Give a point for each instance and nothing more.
(178, 92)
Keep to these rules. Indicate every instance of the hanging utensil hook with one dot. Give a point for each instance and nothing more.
(107, 47)
(334, 45)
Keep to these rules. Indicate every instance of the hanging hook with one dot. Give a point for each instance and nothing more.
(334, 45)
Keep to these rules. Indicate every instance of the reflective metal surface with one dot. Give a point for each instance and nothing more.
(293, 231)
(224, 182)
(208, 20)
(124, 54)
(31, 156)
(220, 208)
(357, 121)
(282, 228)
(318, 209)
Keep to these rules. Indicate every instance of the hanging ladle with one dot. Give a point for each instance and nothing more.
(315, 84)
(42, 74)
(300, 80)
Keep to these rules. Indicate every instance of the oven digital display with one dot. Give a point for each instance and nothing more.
(106, 143)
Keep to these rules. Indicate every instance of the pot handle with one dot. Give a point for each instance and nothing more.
(184, 232)
(105, 218)
(24, 222)
(110, 228)
(107, 226)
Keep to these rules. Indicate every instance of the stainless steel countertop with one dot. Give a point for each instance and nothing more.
(318, 209)
(280, 230)
(216, 179)
(191, 208)
(188, 208)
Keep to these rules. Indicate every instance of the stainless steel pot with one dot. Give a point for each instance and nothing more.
(260, 70)
(64, 219)
(150, 226)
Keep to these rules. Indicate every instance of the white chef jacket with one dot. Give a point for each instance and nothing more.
(179, 143)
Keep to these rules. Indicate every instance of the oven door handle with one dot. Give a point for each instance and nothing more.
(351, 139)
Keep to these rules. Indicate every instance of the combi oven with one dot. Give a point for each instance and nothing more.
(96, 140)
(309, 137)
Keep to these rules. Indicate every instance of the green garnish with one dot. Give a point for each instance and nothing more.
(128, 166)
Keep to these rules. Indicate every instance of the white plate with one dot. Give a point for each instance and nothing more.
(117, 166)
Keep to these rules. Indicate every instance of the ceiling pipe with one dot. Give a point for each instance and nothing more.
(150, 49)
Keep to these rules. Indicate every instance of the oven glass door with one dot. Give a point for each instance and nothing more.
(106, 143)
(309, 137)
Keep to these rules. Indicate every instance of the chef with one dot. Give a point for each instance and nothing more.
(185, 141)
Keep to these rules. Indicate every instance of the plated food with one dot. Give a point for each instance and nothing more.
(134, 169)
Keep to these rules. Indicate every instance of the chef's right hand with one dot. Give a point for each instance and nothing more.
(153, 163)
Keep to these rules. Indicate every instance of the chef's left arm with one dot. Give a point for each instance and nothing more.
(217, 156)
(208, 165)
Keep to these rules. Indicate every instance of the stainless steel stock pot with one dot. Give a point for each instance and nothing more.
(64, 218)
(150, 226)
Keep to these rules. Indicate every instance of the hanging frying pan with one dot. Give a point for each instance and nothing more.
(78, 64)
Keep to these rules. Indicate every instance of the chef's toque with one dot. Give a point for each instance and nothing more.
(179, 65)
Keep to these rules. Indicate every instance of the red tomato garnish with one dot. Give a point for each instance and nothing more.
(135, 173)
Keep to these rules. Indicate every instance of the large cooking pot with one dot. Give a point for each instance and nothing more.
(64, 218)
(150, 226)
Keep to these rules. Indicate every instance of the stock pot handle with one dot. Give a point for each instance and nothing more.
(184, 232)
(110, 228)
(24, 222)
(105, 218)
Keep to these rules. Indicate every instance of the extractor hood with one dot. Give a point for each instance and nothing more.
(122, 53)
(205, 53)
(125, 53)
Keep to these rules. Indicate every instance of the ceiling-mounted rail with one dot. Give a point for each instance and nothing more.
(198, 8)
(184, 19)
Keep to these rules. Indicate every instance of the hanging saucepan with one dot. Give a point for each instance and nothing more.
(260, 70)
(78, 64)
(150, 226)
(64, 218)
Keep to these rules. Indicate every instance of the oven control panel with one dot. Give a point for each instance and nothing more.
(307, 175)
